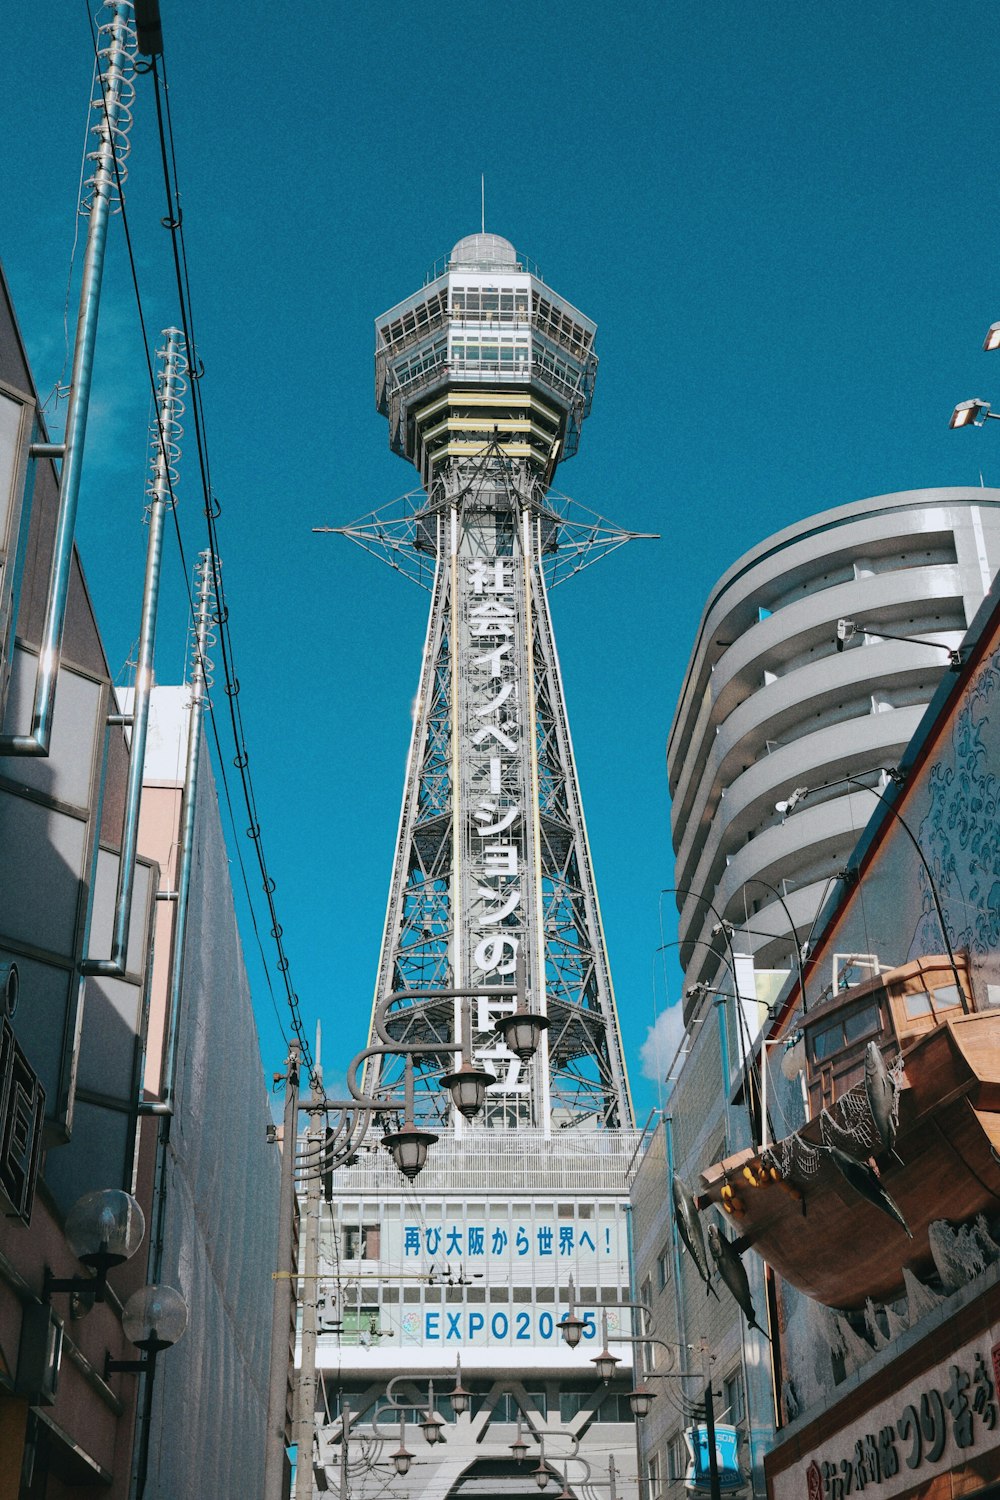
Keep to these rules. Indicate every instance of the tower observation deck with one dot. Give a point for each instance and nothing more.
(486, 376)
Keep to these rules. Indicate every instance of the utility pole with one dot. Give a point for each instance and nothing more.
(345, 1432)
(282, 1315)
(713, 1457)
(305, 1402)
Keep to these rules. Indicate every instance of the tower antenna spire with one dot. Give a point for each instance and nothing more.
(482, 194)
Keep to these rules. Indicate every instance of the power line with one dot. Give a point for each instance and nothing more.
(174, 223)
(221, 615)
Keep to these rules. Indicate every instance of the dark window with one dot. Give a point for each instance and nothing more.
(859, 1023)
(733, 1408)
(362, 1242)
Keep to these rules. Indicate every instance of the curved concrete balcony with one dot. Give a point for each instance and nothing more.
(822, 834)
(766, 933)
(891, 600)
(749, 801)
(799, 706)
(938, 521)
(876, 599)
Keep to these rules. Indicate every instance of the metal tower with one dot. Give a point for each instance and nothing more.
(486, 376)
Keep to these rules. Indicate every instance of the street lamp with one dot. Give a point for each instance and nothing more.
(103, 1229)
(640, 1400)
(992, 339)
(460, 1398)
(431, 1428)
(518, 1447)
(431, 1425)
(153, 1319)
(522, 1029)
(409, 1148)
(571, 1327)
(402, 1458)
(605, 1363)
(971, 413)
(467, 1086)
(848, 629)
(522, 1032)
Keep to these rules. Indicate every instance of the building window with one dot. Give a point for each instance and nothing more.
(573, 1399)
(734, 1408)
(615, 1408)
(508, 1407)
(677, 1457)
(653, 1477)
(362, 1242)
(663, 1268)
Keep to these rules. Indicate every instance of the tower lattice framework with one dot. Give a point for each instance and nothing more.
(486, 377)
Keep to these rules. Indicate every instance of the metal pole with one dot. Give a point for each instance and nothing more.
(305, 1402)
(112, 127)
(165, 434)
(282, 1329)
(713, 1457)
(199, 684)
(345, 1432)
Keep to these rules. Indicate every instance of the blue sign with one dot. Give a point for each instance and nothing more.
(727, 1443)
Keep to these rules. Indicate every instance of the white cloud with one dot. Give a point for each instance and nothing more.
(662, 1040)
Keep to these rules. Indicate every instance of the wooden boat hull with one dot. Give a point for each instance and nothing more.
(830, 1242)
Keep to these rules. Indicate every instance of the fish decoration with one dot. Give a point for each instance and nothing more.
(727, 1258)
(881, 1095)
(689, 1228)
(865, 1181)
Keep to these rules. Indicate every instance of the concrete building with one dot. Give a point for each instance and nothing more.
(900, 1393)
(74, 1115)
(213, 1176)
(769, 702)
(700, 1122)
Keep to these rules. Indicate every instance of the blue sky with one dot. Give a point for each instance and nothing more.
(783, 219)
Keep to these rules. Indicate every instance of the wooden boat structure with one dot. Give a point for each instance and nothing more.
(813, 1205)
